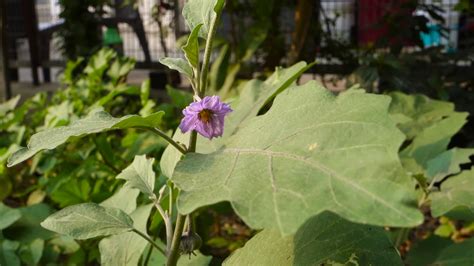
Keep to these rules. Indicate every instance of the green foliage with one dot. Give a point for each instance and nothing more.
(140, 175)
(203, 12)
(96, 122)
(323, 239)
(8, 216)
(285, 162)
(88, 220)
(440, 251)
(456, 197)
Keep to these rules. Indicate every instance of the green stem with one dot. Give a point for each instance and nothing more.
(167, 138)
(207, 55)
(178, 231)
(149, 240)
(173, 255)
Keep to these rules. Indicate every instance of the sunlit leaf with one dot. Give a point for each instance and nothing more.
(311, 152)
(203, 12)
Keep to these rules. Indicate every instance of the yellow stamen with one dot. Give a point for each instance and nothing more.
(205, 115)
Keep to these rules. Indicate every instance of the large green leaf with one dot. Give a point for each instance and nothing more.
(323, 239)
(8, 216)
(441, 252)
(311, 152)
(97, 121)
(88, 220)
(127, 248)
(140, 175)
(252, 99)
(203, 12)
(456, 197)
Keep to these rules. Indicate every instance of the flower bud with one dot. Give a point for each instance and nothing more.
(190, 241)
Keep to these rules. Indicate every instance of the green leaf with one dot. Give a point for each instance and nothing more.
(72, 191)
(97, 121)
(140, 175)
(448, 163)
(417, 112)
(456, 197)
(203, 12)
(178, 64)
(323, 239)
(434, 139)
(127, 248)
(8, 253)
(441, 251)
(191, 48)
(32, 252)
(9, 105)
(88, 220)
(124, 199)
(253, 98)
(311, 152)
(28, 228)
(8, 216)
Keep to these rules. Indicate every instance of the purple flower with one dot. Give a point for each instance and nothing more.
(206, 117)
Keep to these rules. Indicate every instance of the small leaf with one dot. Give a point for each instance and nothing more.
(8, 216)
(311, 152)
(126, 248)
(88, 220)
(140, 175)
(191, 48)
(203, 12)
(178, 64)
(456, 197)
(324, 238)
(448, 163)
(97, 121)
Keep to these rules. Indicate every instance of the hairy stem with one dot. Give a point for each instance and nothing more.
(173, 255)
(174, 251)
(149, 240)
(168, 225)
(207, 55)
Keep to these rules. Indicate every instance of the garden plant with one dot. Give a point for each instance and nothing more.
(353, 178)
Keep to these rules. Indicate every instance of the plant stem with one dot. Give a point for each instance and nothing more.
(173, 254)
(168, 225)
(207, 55)
(178, 231)
(167, 138)
(149, 240)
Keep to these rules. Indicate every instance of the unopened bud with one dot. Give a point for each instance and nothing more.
(190, 241)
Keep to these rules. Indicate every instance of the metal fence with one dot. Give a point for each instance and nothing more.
(352, 21)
